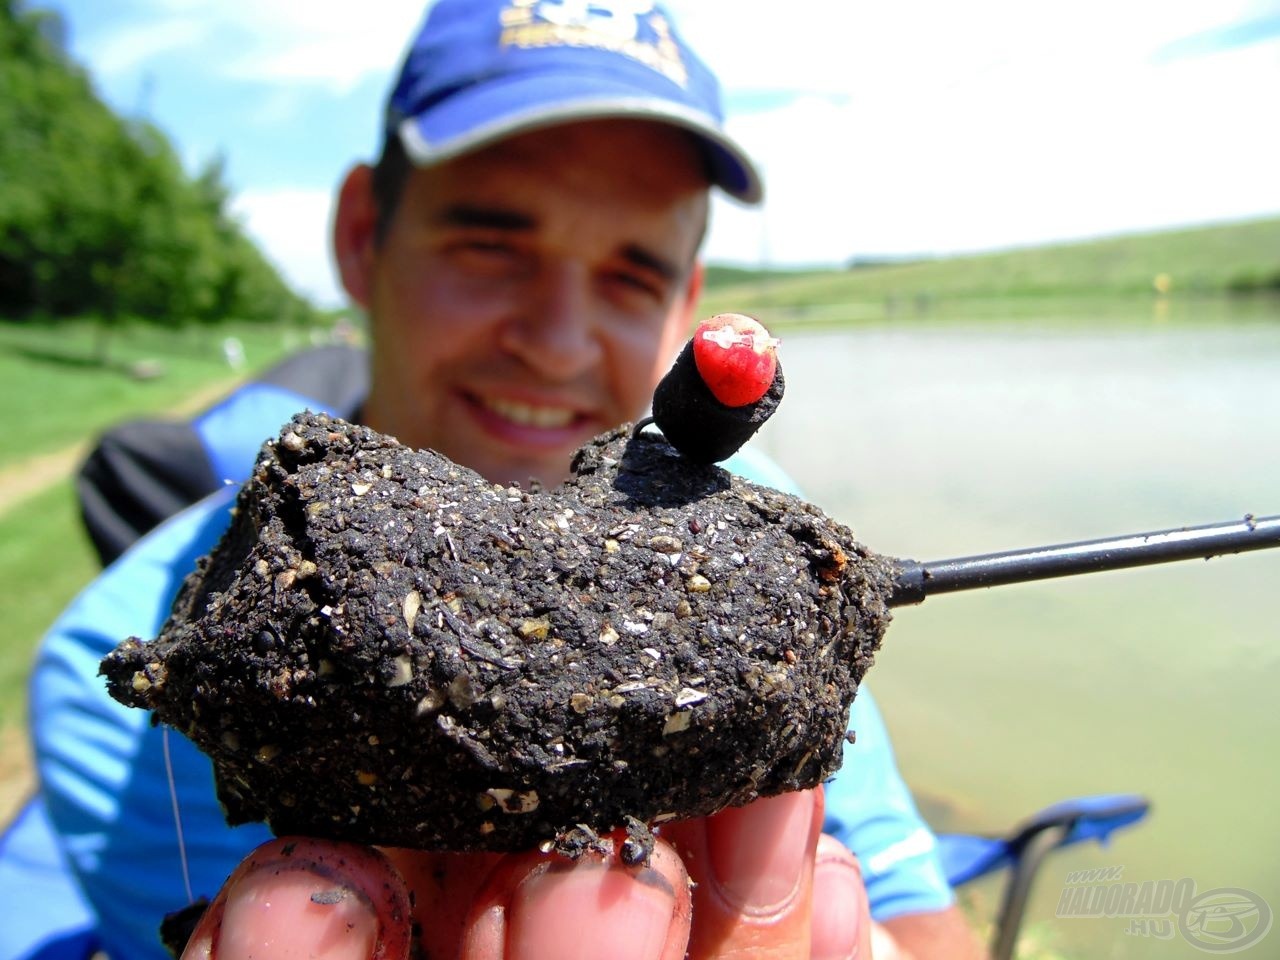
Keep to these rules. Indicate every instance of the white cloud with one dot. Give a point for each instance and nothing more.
(293, 228)
(333, 44)
(330, 44)
(1047, 133)
(908, 127)
(125, 50)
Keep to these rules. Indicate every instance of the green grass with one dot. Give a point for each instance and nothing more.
(1201, 261)
(45, 559)
(57, 394)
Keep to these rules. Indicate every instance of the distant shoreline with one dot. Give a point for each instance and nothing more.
(1235, 259)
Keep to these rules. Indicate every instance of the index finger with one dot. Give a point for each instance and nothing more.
(544, 907)
(753, 869)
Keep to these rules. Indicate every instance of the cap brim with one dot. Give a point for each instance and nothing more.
(476, 117)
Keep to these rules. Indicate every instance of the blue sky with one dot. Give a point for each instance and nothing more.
(915, 126)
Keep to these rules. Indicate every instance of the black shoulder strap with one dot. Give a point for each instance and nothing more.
(138, 474)
(143, 471)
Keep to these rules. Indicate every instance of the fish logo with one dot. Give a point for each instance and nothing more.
(636, 28)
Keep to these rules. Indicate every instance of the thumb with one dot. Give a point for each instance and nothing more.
(296, 897)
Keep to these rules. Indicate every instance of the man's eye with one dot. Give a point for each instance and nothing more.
(487, 248)
(486, 255)
(638, 284)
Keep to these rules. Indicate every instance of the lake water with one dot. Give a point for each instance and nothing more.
(936, 440)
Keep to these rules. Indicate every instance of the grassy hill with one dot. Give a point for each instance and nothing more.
(1226, 258)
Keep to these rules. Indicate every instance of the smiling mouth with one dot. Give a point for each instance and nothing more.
(528, 415)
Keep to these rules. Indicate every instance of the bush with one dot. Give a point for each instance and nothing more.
(97, 214)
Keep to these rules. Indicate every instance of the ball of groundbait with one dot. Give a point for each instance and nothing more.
(388, 649)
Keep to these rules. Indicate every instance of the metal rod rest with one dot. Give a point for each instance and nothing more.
(916, 581)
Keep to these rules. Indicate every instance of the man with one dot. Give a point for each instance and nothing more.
(526, 252)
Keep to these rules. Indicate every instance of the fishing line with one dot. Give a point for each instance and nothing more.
(177, 817)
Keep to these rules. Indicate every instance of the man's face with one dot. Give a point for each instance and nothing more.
(529, 296)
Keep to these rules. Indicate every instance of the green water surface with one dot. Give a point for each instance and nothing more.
(944, 440)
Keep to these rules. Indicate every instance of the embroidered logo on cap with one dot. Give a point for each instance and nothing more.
(632, 28)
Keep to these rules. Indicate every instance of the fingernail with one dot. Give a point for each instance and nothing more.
(758, 852)
(285, 913)
(590, 910)
(296, 897)
(835, 930)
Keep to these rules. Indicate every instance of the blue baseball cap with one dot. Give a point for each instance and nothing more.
(479, 71)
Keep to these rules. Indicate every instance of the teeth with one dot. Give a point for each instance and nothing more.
(527, 416)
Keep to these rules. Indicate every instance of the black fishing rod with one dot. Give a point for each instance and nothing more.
(915, 580)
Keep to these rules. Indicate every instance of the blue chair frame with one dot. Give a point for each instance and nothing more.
(1021, 851)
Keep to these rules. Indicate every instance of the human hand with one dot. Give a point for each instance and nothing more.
(754, 881)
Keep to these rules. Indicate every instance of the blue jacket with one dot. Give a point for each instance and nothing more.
(102, 766)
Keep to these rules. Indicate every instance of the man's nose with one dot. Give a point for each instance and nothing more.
(554, 331)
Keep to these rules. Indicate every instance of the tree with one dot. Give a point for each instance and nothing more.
(97, 214)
